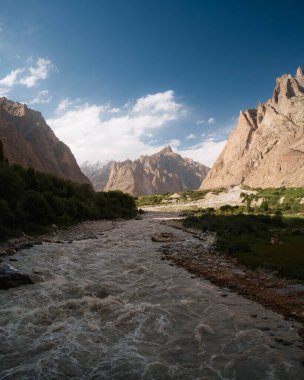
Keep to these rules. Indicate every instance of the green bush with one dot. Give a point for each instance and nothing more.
(36, 208)
(30, 200)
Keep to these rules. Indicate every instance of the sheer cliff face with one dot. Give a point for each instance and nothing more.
(29, 141)
(162, 172)
(267, 147)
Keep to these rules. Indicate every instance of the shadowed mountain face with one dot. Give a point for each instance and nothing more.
(267, 147)
(29, 141)
(162, 172)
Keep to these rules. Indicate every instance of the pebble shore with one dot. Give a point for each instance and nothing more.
(265, 287)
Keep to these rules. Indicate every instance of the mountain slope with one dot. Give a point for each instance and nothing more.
(162, 172)
(29, 141)
(98, 173)
(266, 149)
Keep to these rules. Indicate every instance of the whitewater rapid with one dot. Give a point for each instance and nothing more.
(110, 308)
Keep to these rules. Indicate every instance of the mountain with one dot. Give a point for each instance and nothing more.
(266, 149)
(29, 141)
(162, 172)
(99, 173)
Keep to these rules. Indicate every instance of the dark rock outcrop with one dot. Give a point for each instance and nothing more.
(11, 277)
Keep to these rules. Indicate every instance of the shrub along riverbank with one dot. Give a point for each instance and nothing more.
(31, 201)
(269, 241)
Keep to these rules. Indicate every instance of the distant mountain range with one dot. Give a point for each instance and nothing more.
(267, 147)
(29, 141)
(161, 172)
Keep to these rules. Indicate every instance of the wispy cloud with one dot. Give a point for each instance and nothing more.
(65, 104)
(29, 76)
(43, 97)
(191, 136)
(38, 72)
(205, 152)
(174, 143)
(210, 120)
(102, 132)
(11, 79)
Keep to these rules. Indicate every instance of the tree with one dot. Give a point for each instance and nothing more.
(1, 152)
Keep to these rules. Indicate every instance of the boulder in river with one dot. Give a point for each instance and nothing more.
(11, 277)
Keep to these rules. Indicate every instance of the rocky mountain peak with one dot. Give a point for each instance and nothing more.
(13, 108)
(286, 88)
(159, 173)
(266, 147)
(300, 76)
(166, 150)
(29, 141)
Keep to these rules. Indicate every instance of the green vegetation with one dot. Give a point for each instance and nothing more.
(31, 201)
(286, 201)
(152, 200)
(184, 196)
(268, 241)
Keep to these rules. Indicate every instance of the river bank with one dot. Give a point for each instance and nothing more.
(285, 296)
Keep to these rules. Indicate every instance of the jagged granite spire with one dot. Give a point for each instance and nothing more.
(266, 149)
(300, 76)
(162, 172)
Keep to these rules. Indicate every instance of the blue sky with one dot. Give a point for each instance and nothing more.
(120, 78)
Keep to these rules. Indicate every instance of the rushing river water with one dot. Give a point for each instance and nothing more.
(109, 308)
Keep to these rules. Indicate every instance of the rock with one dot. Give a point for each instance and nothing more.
(175, 196)
(266, 149)
(11, 277)
(163, 237)
(10, 251)
(29, 141)
(159, 173)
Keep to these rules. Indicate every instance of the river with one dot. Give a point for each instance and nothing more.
(110, 308)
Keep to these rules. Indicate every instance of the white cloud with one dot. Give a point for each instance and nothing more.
(94, 133)
(200, 121)
(37, 72)
(43, 97)
(162, 102)
(28, 76)
(211, 120)
(68, 103)
(191, 136)
(97, 133)
(11, 79)
(3, 91)
(206, 152)
(64, 105)
(174, 143)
